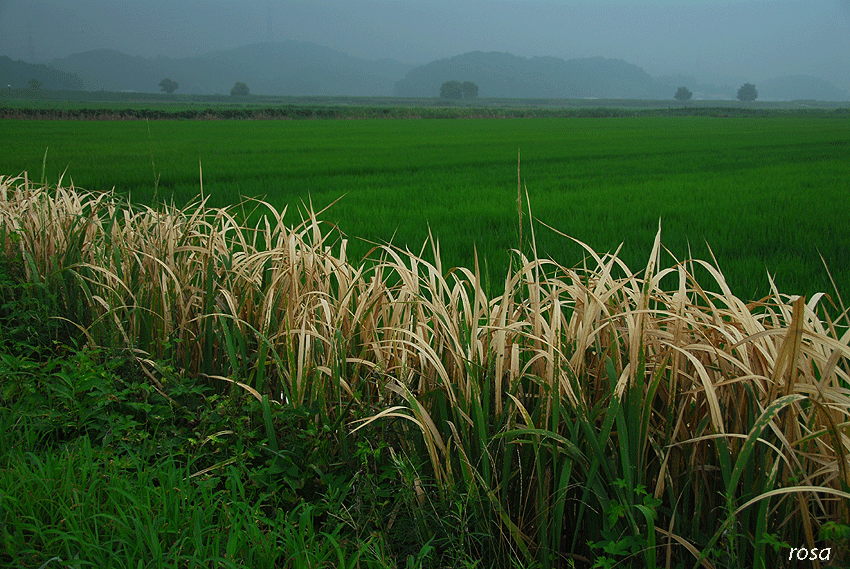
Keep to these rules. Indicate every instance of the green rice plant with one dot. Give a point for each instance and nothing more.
(735, 183)
(582, 415)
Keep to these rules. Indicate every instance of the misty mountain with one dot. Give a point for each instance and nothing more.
(506, 75)
(800, 87)
(110, 70)
(300, 68)
(18, 74)
(280, 68)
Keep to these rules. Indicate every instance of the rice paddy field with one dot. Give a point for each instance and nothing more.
(233, 382)
(767, 195)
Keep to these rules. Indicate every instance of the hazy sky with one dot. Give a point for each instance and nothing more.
(742, 39)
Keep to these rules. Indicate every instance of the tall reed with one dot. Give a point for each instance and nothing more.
(587, 414)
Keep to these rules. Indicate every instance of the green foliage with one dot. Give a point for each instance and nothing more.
(748, 92)
(683, 94)
(240, 89)
(184, 485)
(837, 536)
(168, 85)
(94, 453)
(121, 106)
(186, 471)
(470, 89)
(27, 313)
(451, 90)
(733, 185)
(618, 546)
(458, 90)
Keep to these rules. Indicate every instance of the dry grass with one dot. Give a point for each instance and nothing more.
(572, 392)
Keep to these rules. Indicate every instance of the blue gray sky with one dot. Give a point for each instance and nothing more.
(745, 40)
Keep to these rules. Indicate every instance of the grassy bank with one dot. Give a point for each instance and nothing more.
(243, 389)
(429, 110)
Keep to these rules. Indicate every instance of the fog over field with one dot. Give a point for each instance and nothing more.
(712, 40)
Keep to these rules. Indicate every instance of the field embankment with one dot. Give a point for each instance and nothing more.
(578, 415)
(335, 112)
(73, 105)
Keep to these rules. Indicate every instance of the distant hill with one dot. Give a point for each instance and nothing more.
(18, 74)
(506, 75)
(281, 68)
(292, 68)
(800, 87)
(298, 68)
(111, 70)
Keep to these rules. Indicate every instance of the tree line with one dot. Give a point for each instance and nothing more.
(240, 89)
(458, 90)
(747, 93)
(468, 90)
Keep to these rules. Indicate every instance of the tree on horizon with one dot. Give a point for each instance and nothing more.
(169, 86)
(451, 90)
(748, 92)
(458, 90)
(240, 90)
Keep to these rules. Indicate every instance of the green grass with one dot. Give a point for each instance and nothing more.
(765, 194)
(428, 424)
(576, 417)
(102, 467)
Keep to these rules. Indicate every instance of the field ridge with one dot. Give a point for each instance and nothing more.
(331, 112)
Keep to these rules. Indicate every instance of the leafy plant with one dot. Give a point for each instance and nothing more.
(620, 544)
(581, 415)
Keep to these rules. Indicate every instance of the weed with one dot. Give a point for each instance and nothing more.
(250, 374)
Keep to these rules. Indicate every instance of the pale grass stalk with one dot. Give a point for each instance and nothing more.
(556, 343)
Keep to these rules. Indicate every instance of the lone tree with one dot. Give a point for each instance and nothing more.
(683, 94)
(239, 90)
(747, 92)
(451, 90)
(168, 86)
(470, 89)
(458, 90)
